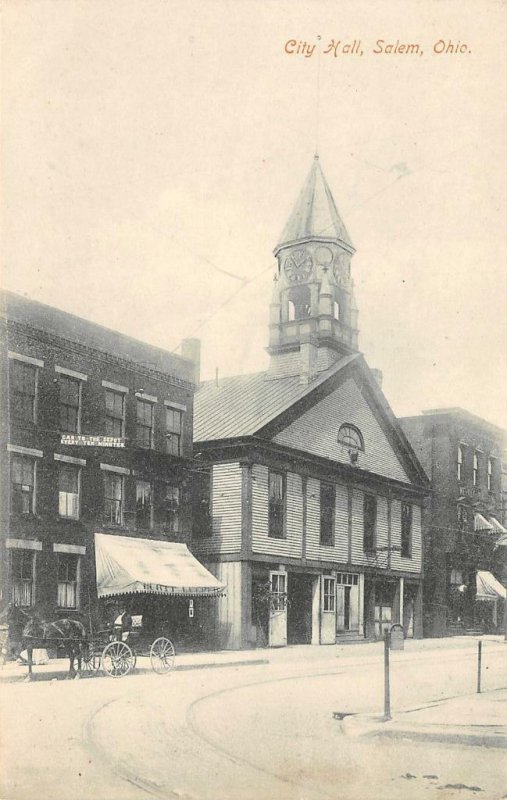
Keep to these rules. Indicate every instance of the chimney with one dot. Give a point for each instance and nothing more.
(191, 350)
(377, 374)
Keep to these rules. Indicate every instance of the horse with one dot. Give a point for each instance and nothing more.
(36, 633)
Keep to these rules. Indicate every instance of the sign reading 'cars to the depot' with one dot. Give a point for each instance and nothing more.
(84, 440)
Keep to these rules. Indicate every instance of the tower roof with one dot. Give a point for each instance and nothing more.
(315, 215)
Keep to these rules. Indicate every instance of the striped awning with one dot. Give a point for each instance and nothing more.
(482, 524)
(498, 527)
(127, 565)
(488, 587)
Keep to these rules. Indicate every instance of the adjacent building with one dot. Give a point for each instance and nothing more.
(96, 439)
(309, 498)
(465, 565)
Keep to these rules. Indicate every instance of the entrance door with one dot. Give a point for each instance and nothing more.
(328, 610)
(299, 612)
(278, 609)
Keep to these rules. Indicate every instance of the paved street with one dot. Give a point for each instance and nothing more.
(251, 731)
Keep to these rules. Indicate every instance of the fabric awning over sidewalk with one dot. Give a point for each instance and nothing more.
(482, 524)
(488, 587)
(127, 565)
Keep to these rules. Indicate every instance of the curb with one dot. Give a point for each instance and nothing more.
(476, 735)
(217, 665)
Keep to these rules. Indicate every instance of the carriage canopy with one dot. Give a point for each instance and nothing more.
(128, 565)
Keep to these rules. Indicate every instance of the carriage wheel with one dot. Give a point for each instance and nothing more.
(162, 655)
(90, 661)
(117, 659)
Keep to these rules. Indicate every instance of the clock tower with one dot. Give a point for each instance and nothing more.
(313, 316)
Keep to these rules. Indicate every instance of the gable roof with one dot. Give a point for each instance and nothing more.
(315, 215)
(259, 406)
(243, 404)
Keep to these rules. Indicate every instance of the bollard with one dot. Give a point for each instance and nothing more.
(479, 660)
(387, 688)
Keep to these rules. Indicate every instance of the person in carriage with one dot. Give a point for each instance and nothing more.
(123, 624)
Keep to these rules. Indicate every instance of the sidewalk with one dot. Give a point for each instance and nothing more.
(292, 655)
(477, 719)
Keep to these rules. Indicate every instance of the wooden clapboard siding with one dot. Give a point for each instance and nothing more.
(226, 512)
(261, 543)
(224, 613)
(314, 550)
(316, 432)
(397, 562)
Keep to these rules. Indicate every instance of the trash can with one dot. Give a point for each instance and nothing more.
(397, 637)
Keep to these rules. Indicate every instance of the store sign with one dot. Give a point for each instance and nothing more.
(83, 440)
(190, 608)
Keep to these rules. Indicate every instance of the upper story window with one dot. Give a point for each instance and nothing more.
(462, 518)
(406, 530)
(22, 575)
(336, 309)
(276, 505)
(202, 504)
(174, 422)
(70, 404)
(115, 413)
(475, 472)
(144, 504)
(23, 380)
(490, 475)
(460, 463)
(113, 498)
(68, 580)
(369, 522)
(172, 509)
(327, 513)
(351, 437)
(22, 484)
(144, 429)
(68, 490)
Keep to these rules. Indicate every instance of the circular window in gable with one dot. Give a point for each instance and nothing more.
(351, 437)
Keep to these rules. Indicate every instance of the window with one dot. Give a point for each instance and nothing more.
(328, 594)
(276, 505)
(172, 509)
(22, 577)
(68, 580)
(351, 437)
(174, 420)
(115, 413)
(144, 433)
(23, 379)
(406, 530)
(336, 310)
(462, 518)
(327, 512)
(278, 591)
(347, 579)
(22, 485)
(202, 505)
(490, 475)
(144, 505)
(113, 499)
(70, 404)
(68, 491)
(369, 522)
(476, 469)
(461, 472)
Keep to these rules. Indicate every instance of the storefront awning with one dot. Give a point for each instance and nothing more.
(482, 524)
(488, 588)
(127, 565)
(497, 526)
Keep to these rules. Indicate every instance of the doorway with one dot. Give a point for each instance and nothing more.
(299, 609)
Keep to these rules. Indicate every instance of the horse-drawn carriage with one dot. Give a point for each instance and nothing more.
(115, 650)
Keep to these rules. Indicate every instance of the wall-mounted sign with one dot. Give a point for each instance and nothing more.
(190, 608)
(83, 440)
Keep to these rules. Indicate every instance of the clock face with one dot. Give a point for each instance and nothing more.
(341, 267)
(299, 265)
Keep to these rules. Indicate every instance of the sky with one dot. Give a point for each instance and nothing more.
(152, 152)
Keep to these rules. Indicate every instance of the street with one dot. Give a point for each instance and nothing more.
(256, 731)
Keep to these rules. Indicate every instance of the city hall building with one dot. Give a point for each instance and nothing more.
(310, 498)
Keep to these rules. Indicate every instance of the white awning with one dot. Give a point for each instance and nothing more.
(497, 526)
(482, 524)
(488, 587)
(127, 565)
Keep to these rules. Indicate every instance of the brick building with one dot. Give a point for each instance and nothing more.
(97, 438)
(464, 554)
(312, 509)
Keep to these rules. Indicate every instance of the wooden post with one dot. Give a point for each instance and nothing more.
(387, 688)
(479, 659)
